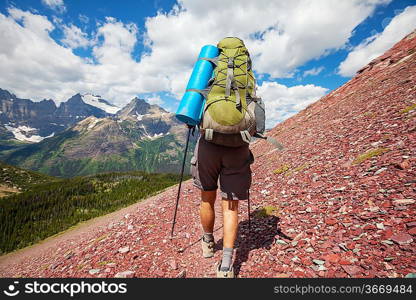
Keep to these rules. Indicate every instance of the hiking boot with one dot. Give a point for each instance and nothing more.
(207, 248)
(224, 274)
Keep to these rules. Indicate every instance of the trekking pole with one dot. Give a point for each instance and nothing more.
(248, 206)
(180, 182)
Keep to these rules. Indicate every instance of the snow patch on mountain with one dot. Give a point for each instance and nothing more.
(23, 133)
(100, 103)
(139, 117)
(156, 135)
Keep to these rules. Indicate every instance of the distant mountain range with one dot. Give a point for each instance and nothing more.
(29, 121)
(87, 134)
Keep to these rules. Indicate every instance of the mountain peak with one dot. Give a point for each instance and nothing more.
(137, 108)
(139, 102)
(6, 95)
(97, 101)
(137, 99)
(75, 99)
(91, 100)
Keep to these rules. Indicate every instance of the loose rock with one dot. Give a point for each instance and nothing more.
(94, 271)
(402, 238)
(125, 274)
(124, 250)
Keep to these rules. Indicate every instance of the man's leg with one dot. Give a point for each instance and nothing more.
(230, 214)
(207, 212)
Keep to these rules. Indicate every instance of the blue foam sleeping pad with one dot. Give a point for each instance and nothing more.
(190, 108)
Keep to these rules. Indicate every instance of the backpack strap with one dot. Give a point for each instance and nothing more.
(260, 136)
(245, 135)
(269, 139)
(237, 96)
(230, 76)
(204, 93)
(212, 60)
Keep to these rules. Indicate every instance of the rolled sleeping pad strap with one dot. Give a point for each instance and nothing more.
(191, 105)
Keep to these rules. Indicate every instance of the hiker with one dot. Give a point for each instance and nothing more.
(230, 117)
(232, 166)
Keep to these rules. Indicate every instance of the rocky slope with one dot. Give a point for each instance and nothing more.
(339, 201)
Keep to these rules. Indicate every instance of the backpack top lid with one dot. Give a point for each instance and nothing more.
(230, 43)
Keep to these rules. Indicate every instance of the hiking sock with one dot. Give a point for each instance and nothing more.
(227, 257)
(208, 237)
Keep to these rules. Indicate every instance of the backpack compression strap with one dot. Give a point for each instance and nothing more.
(230, 76)
(213, 60)
(204, 92)
(230, 80)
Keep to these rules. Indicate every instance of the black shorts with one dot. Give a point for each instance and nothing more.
(231, 165)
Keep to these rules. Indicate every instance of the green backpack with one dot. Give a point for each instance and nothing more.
(232, 113)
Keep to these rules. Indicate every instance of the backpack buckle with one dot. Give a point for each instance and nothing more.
(230, 63)
(208, 134)
(245, 135)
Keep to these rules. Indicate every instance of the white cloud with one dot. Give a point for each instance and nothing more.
(283, 102)
(57, 5)
(33, 64)
(74, 37)
(400, 26)
(313, 71)
(37, 67)
(155, 100)
(280, 39)
(117, 75)
(118, 40)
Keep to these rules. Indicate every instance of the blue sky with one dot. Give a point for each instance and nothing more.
(301, 49)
